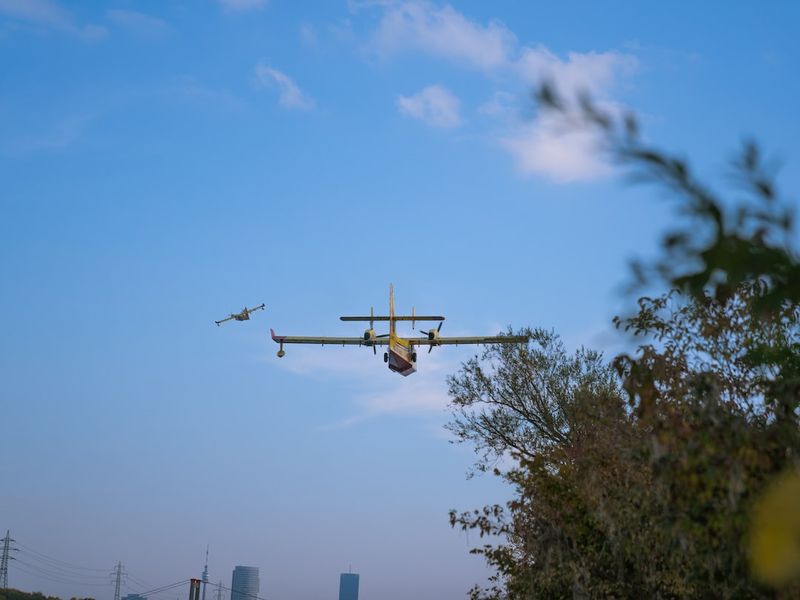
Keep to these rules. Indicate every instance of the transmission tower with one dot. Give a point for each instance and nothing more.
(118, 573)
(205, 575)
(6, 556)
(219, 591)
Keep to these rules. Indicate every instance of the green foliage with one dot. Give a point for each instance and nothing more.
(640, 477)
(532, 396)
(12, 594)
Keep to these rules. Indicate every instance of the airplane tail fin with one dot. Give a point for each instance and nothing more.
(391, 309)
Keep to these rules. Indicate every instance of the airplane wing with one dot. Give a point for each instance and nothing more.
(255, 308)
(223, 320)
(459, 340)
(327, 341)
(397, 318)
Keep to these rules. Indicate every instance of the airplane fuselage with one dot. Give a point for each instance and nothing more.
(402, 356)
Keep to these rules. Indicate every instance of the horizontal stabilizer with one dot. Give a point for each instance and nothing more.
(398, 318)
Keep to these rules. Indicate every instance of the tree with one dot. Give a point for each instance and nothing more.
(648, 476)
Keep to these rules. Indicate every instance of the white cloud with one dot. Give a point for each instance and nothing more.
(290, 94)
(308, 35)
(443, 32)
(44, 12)
(434, 105)
(138, 23)
(541, 144)
(242, 5)
(50, 14)
(188, 89)
(550, 144)
(592, 72)
(502, 105)
(64, 134)
(425, 394)
(378, 391)
(546, 146)
(343, 362)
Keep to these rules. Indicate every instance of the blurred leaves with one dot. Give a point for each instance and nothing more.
(721, 243)
(672, 472)
(775, 538)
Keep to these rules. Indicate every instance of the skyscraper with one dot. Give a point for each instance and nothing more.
(244, 585)
(348, 586)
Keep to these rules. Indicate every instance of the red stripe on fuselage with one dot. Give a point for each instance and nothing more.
(401, 364)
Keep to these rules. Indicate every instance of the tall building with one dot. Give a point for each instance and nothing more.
(134, 597)
(244, 585)
(348, 586)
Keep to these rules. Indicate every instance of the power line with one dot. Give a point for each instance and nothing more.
(59, 570)
(246, 594)
(138, 591)
(56, 561)
(42, 566)
(164, 588)
(70, 576)
(158, 590)
(139, 581)
(55, 577)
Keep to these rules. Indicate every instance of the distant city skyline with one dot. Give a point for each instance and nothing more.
(348, 586)
(245, 580)
(245, 584)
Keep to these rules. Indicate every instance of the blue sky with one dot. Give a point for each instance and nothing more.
(165, 163)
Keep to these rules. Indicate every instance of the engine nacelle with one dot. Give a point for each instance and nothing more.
(433, 334)
(369, 335)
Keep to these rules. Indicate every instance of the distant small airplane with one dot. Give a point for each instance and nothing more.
(241, 316)
(401, 356)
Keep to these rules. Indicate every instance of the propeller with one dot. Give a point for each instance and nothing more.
(428, 333)
(432, 336)
(375, 346)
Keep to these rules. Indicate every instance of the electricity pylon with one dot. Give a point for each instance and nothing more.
(118, 573)
(4, 558)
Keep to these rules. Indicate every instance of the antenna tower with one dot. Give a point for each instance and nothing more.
(6, 556)
(205, 575)
(219, 591)
(118, 573)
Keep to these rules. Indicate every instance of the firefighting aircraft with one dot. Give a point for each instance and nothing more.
(402, 355)
(241, 316)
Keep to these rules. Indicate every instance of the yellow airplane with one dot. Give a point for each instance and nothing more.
(401, 356)
(241, 316)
